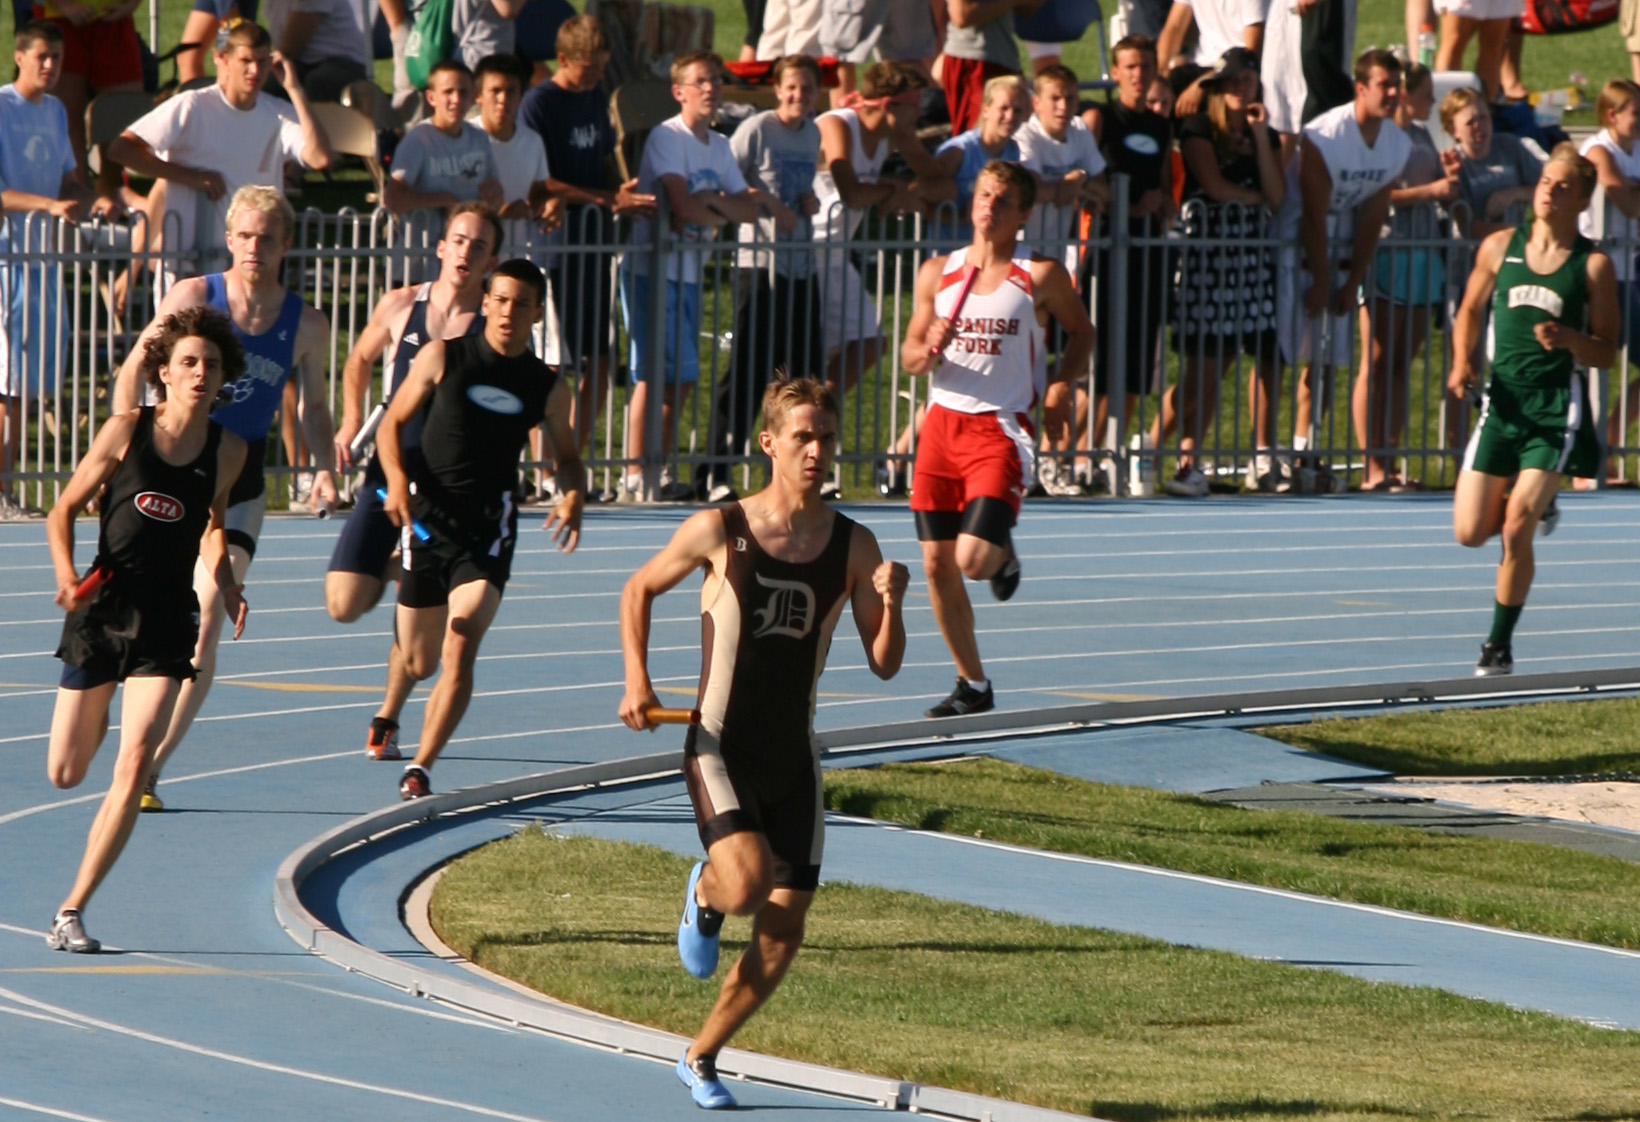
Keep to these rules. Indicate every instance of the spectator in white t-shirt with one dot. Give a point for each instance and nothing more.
(1349, 161)
(704, 189)
(444, 161)
(518, 158)
(208, 143)
(1615, 153)
(1220, 25)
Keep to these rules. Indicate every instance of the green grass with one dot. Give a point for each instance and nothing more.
(1555, 738)
(1516, 885)
(1071, 1018)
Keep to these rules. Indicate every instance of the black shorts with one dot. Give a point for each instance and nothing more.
(368, 539)
(456, 553)
(787, 808)
(117, 636)
(253, 481)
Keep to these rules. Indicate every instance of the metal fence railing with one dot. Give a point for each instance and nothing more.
(1197, 322)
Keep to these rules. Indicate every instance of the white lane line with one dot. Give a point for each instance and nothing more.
(32, 1016)
(1240, 886)
(49, 1111)
(242, 769)
(264, 1065)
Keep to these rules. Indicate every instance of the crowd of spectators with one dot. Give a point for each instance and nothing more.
(1234, 121)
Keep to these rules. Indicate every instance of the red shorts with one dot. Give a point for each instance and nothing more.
(105, 53)
(966, 456)
(964, 80)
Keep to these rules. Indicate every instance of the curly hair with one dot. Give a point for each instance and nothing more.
(199, 322)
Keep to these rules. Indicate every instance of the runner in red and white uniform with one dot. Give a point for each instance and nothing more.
(986, 355)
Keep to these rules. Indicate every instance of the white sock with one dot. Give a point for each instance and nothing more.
(980, 686)
(1300, 443)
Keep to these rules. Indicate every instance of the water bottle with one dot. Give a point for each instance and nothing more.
(1426, 45)
(1141, 467)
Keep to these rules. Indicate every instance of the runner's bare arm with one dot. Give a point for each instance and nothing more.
(425, 373)
(565, 521)
(96, 468)
(313, 408)
(926, 334)
(361, 362)
(1057, 295)
(876, 595)
(701, 542)
(1597, 347)
(1466, 325)
(128, 384)
(230, 461)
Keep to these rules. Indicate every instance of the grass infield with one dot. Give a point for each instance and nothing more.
(1557, 738)
(1080, 1019)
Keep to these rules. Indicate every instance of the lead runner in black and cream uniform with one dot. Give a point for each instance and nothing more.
(780, 566)
(482, 395)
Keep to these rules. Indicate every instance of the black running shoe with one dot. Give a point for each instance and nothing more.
(1006, 580)
(964, 699)
(415, 783)
(1496, 660)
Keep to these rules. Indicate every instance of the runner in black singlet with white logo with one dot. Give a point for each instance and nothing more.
(779, 568)
(164, 472)
(405, 320)
(482, 395)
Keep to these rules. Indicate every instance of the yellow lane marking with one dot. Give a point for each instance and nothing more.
(300, 687)
(1085, 696)
(24, 686)
(140, 968)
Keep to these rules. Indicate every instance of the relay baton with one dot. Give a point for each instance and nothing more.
(91, 582)
(956, 309)
(359, 443)
(416, 527)
(659, 715)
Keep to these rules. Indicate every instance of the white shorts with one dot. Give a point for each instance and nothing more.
(1482, 9)
(790, 27)
(850, 311)
(850, 30)
(1296, 331)
(1281, 72)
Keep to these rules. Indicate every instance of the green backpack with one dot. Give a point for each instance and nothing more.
(431, 40)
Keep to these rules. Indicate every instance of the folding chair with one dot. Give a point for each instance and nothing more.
(351, 133)
(110, 114)
(636, 108)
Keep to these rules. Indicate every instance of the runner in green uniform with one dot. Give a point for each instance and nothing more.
(1554, 309)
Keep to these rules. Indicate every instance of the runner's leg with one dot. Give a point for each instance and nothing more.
(472, 607)
(212, 614)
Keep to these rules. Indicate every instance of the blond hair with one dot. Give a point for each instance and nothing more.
(1614, 95)
(786, 394)
(1459, 100)
(581, 39)
(266, 200)
(681, 64)
(1584, 173)
(1012, 84)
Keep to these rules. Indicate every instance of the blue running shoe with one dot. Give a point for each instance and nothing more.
(701, 1078)
(698, 950)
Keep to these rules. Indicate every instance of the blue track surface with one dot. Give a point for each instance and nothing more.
(214, 1011)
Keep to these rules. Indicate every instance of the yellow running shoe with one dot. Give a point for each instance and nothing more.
(151, 803)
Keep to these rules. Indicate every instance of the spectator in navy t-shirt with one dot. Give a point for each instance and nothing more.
(571, 115)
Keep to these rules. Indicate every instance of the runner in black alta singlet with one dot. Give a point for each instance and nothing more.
(779, 568)
(482, 395)
(168, 470)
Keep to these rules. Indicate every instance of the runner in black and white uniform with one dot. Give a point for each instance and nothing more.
(282, 339)
(779, 567)
(481, 395)
(405, 320)
(164, 472)
(1349, 161)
